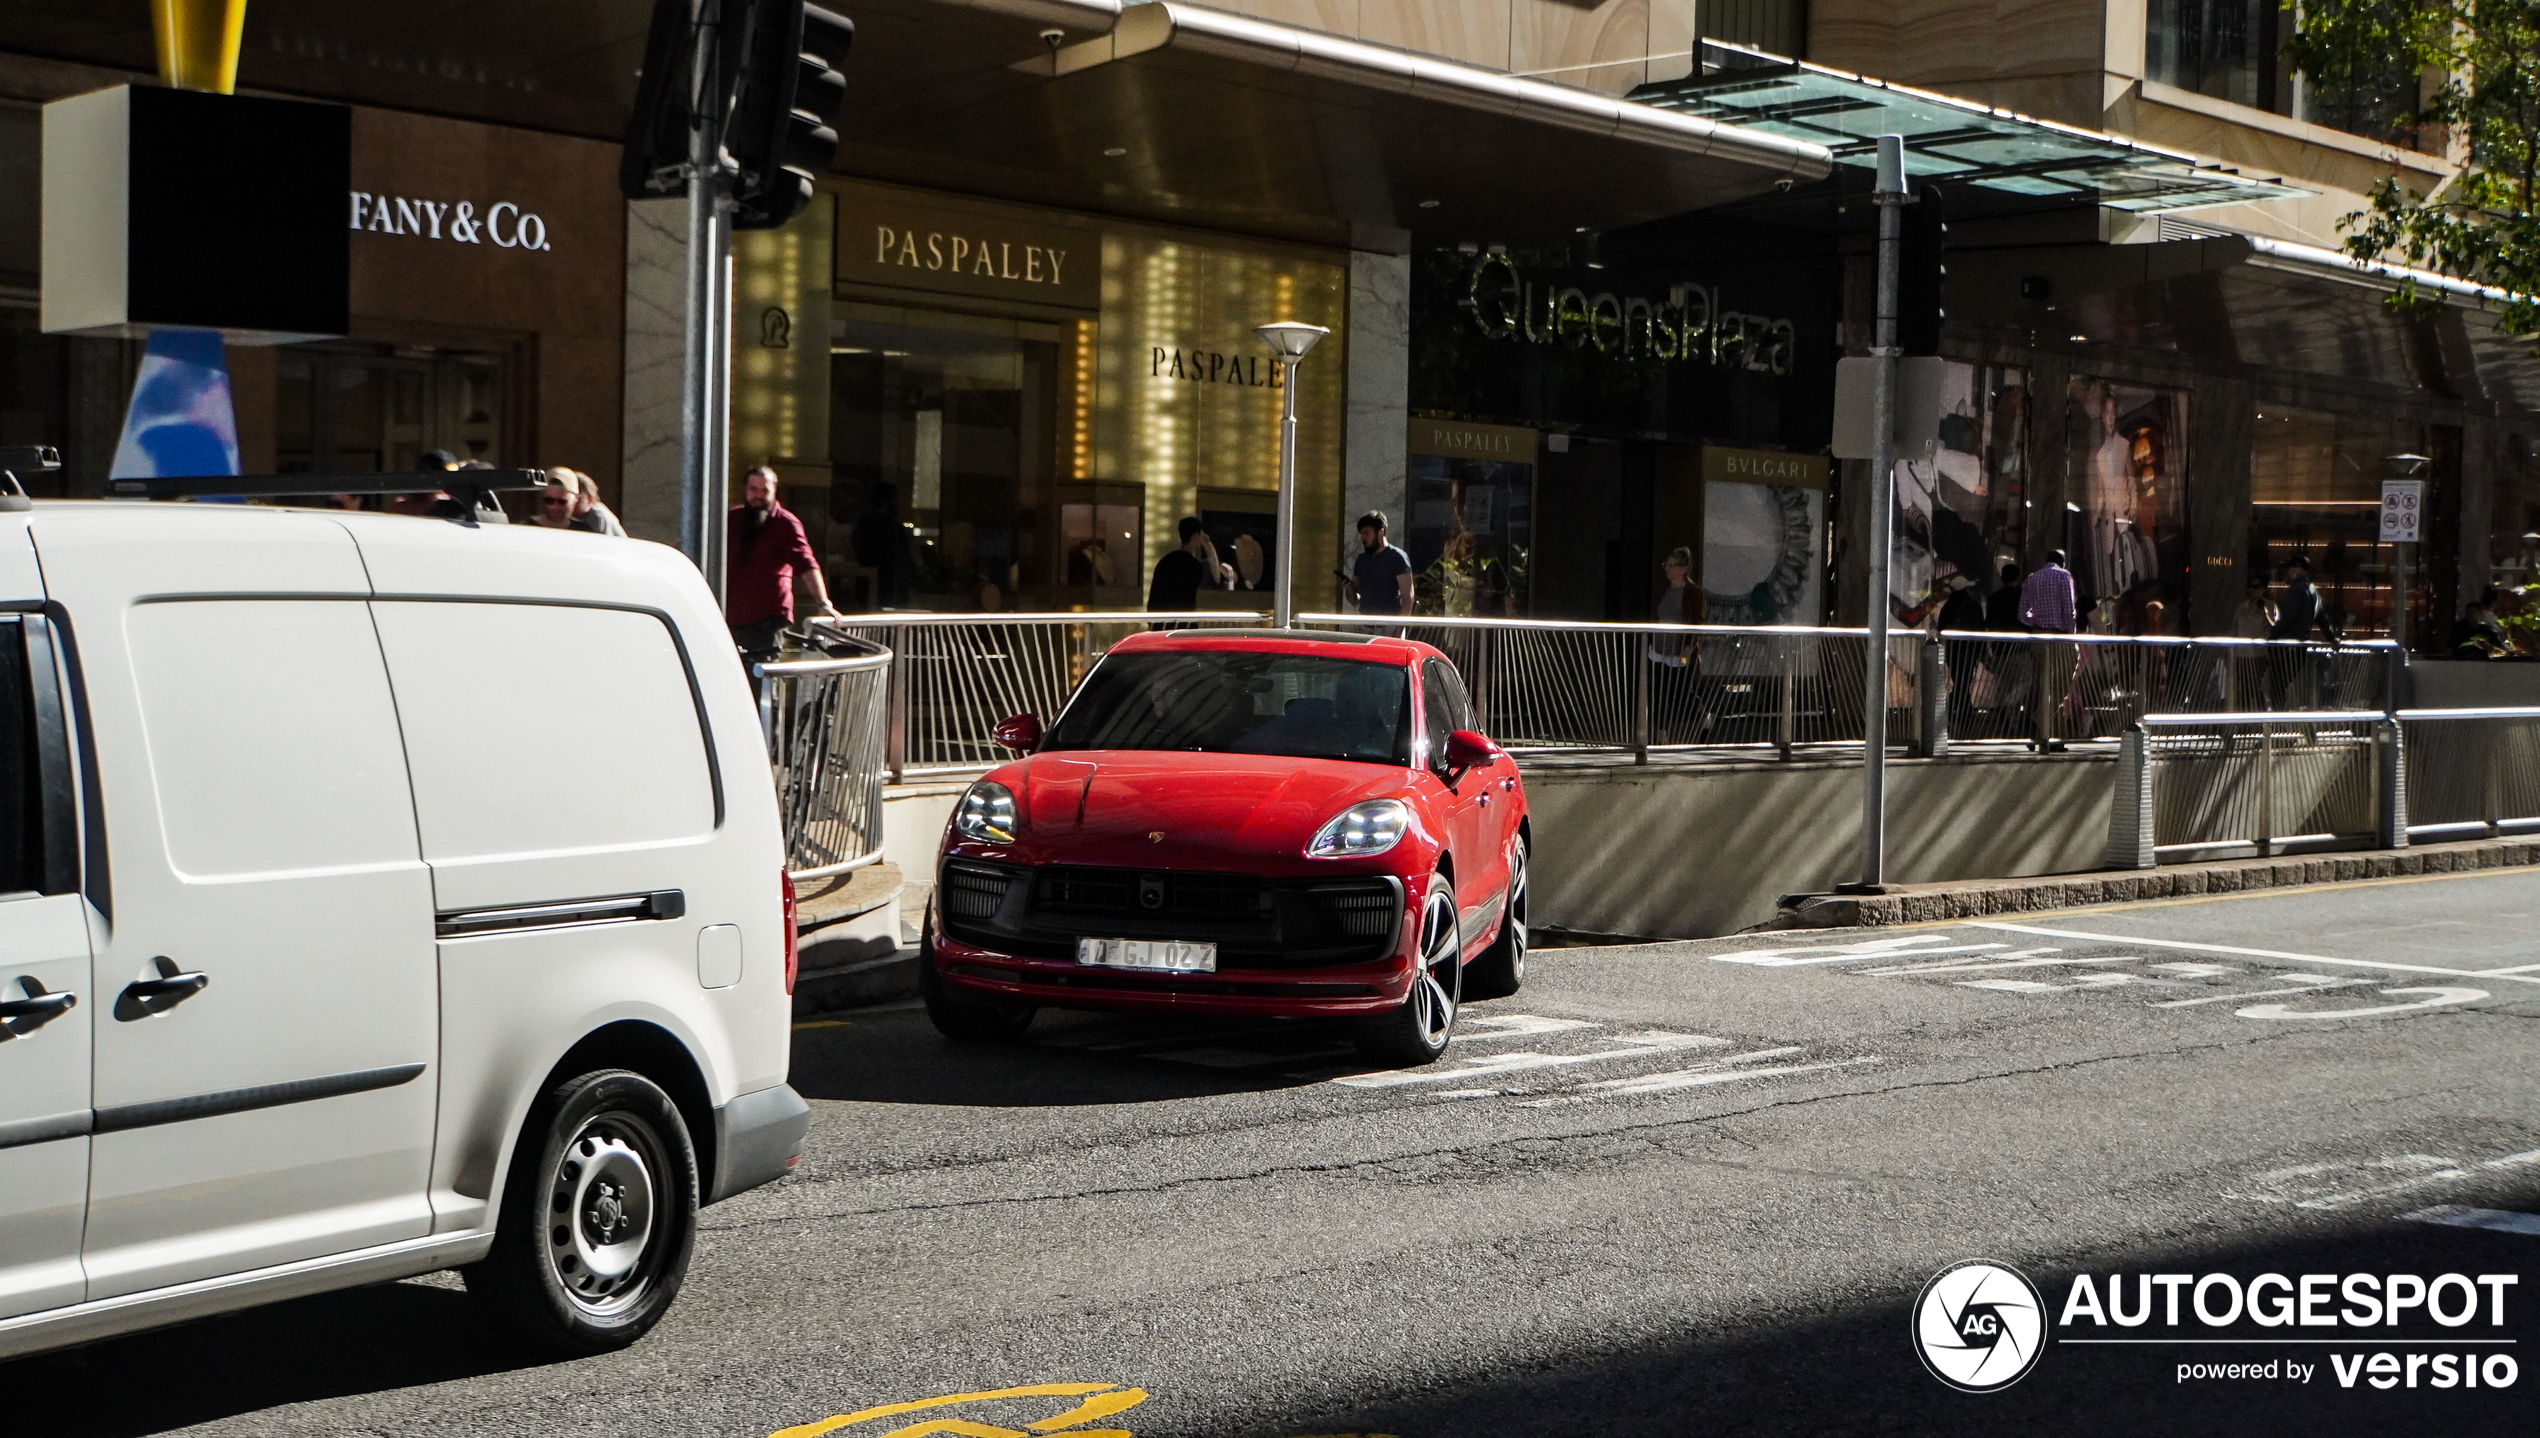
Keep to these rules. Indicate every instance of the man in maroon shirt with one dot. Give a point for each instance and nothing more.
(765, 552)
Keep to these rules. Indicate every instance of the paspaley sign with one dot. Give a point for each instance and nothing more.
(1687, 323)
(981, 251)
(503, 224)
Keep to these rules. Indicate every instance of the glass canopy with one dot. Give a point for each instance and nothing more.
(1944, 137)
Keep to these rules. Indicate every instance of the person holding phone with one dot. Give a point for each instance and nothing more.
(1382, 584)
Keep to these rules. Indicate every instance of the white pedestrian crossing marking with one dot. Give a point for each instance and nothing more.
(1636, 1045)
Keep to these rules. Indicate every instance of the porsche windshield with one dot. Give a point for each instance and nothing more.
(1235, 701)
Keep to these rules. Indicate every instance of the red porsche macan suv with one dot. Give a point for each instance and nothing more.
(1241, 822)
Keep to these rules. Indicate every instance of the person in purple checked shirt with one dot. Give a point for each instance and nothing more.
(2046, 607)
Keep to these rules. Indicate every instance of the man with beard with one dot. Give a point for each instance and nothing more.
(765, 552)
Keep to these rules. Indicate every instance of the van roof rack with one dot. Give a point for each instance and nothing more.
(23, 458)
(470, 488)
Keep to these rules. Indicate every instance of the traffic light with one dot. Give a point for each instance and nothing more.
(665, 106)
(789, 89)
(1922, 273)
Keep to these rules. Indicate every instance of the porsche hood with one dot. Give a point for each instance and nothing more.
(1194, 809)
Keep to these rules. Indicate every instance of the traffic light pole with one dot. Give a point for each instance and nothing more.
(705, 400)
(1888, 196)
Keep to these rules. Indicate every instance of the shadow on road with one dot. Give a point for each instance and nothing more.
(1858, 1373)
(363, 1340)
(893, 1055)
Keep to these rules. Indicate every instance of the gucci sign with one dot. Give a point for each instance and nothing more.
(506, 226)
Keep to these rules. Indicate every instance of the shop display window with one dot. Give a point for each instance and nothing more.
(1470, 535)
(1965, 512)
(952, 441)
(2315, 491)
(2126, 533)
(342, 409)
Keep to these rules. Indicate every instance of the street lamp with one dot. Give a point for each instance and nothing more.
(1288, 342)
(2403, 468)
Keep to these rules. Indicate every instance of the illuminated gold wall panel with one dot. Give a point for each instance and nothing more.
(1186, 397)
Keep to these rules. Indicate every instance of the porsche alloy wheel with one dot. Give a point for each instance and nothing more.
(1501, 970)
(1418, 1031)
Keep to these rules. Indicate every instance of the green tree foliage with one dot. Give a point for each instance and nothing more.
(2482, 60)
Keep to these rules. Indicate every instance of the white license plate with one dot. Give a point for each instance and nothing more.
(1148, 954)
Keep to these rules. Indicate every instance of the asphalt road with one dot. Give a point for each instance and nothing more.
(1671, 1189)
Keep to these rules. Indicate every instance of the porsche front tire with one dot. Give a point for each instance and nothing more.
(1418, 1031)
(966, 1021)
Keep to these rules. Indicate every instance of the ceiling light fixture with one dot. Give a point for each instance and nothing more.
(1428, 204)
(1115, 152)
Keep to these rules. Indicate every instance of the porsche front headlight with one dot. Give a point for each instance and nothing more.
(986, 813)
(1361, 830)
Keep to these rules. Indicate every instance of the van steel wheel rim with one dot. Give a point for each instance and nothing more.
(1431, 1004)
(600, 1218)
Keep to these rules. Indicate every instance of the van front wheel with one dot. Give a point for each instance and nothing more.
(598, 1219)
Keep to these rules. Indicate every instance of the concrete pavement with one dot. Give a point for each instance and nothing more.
(1666, 1189)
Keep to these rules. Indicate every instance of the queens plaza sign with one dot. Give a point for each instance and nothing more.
(504, 225)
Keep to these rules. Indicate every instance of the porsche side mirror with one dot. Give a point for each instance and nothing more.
(1468, 750)
(1022, 733)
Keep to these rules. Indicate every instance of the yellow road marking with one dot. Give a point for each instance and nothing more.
(1116, 1401)
(820, 1024)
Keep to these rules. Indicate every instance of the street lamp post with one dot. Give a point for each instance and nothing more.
(1288, 342)
(1888, 195)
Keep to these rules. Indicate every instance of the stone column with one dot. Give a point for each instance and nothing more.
(1375, 466)
(656, 327)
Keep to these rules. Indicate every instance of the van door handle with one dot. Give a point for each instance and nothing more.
(143, 997)
(41, 1006)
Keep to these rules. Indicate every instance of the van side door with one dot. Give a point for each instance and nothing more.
(266, 1018)
(44, 1111)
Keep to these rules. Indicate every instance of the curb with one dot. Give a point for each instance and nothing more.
(1979, 898)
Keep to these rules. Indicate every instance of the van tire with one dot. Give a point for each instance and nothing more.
(608, 1153)
(965, 1021)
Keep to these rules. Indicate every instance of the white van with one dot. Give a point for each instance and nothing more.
(377, 896)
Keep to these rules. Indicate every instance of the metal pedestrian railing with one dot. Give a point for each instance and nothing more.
(824, 721)
(955, 676)
(2472, 773)
(2192, 786)
(1706, 692)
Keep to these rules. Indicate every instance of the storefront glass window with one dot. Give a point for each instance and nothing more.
(946, 436)
(1965, 512)
(1470, 536)
(341, 410)
(2514, 541)
(32, 405)
(2127, 476)
(2315, 492)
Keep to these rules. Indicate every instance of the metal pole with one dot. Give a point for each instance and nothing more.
(1889, 194)
(2399, 593)
(1283, 595)
(703, 382)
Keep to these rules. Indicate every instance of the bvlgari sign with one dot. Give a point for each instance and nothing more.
(899, 241)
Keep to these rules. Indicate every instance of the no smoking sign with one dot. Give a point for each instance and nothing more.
(2402, 505)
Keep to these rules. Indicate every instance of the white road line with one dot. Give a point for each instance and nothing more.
(2047, 933)
(2442, 998)
(1900, 946)
(2032, 986)
(2438, 1170)
(1511, 1026)
(2322, 981)
(2523, 969)
(2494, 1220)
(1909, 971)
(1641, 1045)
(1674, 1080)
